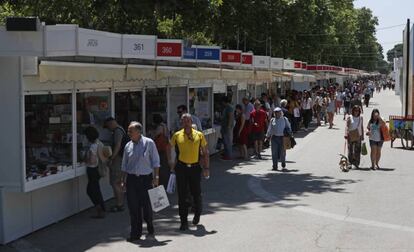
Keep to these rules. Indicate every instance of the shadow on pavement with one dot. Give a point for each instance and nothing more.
(227, 190)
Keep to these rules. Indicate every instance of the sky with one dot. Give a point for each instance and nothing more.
(389, 13)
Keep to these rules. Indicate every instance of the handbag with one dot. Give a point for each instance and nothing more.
(364, 150)
(385, 132)
(172, 184)
(158, 198)
(286, 143)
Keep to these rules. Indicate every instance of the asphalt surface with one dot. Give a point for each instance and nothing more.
(311, 207)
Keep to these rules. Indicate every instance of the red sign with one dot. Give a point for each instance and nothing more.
(169, 49)
(247, 59)
(231, 57)
(304, 65)
(312, 67)
(298, 64)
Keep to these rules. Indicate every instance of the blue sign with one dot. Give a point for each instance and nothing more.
(208, 54)
(189, 53)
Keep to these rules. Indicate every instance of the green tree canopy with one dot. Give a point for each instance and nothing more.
(315, 31)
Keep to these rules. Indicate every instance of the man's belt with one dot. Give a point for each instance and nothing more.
(189, 165)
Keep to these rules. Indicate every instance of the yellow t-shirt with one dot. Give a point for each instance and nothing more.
(189, 149)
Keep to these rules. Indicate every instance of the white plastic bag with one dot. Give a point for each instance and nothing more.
(158, 198)
(172, 183)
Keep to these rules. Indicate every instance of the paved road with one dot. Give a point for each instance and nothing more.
(313, 207)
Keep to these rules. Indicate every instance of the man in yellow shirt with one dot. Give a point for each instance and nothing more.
(192, 150)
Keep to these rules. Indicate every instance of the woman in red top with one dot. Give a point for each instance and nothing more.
(258, 124)
(241, 132)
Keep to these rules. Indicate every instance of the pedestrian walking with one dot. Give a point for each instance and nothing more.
(367, 96)
(192, 150)
(338, 101)
(241, 133)
(354, 134)
(227, 124)
(279, 126)
(161, 139)
(93, 157)
(375, 137)
(258, 121)
(140, 167)
(119, 140)
(330, 109)
(307, 109)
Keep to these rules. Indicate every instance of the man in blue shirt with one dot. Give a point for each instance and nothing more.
(140, 168)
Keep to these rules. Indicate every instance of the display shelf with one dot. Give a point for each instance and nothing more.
(80, 170)
(49, 180)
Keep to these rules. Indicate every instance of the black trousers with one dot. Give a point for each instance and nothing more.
(138, 202)
(93, 188)
(307, 117)
(188, 181)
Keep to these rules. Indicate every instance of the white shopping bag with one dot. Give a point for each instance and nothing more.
(158, 198)
(171, 184)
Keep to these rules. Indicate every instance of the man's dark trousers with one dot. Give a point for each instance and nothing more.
(188, 178)
(138, 202)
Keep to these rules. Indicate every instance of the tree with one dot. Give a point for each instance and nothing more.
(395, 52)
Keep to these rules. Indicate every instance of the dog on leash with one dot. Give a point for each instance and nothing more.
(343, 163)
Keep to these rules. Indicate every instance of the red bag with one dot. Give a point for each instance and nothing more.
(385, 132)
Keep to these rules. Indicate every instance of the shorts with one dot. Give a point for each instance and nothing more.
(258, 136)
(376, 143)
(115, 173)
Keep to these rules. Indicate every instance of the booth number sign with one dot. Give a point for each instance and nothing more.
(138, 47)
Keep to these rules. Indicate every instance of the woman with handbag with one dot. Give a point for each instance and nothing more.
(278, 127)
(376, 139)
(354, 133)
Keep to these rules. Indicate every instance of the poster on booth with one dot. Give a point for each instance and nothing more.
(247, 59)
(138, 46)
(231, 57)
(169, 49)
(288, 64)
(189, 54)
(262, 62)
(210, 54)
(99, 43)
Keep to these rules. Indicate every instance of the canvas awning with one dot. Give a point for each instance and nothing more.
(187, 73)
(263, 76)
(244, 75)
(55, 71)
(140, 72)
(205, 73)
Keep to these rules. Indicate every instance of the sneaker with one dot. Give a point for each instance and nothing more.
(283, 165)
(274, 168)
(134, 238)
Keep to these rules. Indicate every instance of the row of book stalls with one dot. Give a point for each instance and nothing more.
(57, 80)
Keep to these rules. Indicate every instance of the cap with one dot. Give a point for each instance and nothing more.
(277, 109)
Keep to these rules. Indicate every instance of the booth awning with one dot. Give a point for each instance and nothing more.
(227, 74)
(187, 73)
(205, 73)
(140, 72)
(263, 76)
(69, 71)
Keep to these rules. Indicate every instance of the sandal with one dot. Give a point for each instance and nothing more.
(116, 209)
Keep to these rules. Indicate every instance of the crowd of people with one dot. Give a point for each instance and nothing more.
(138, 163)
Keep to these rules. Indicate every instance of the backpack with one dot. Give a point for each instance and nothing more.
(124, 141)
